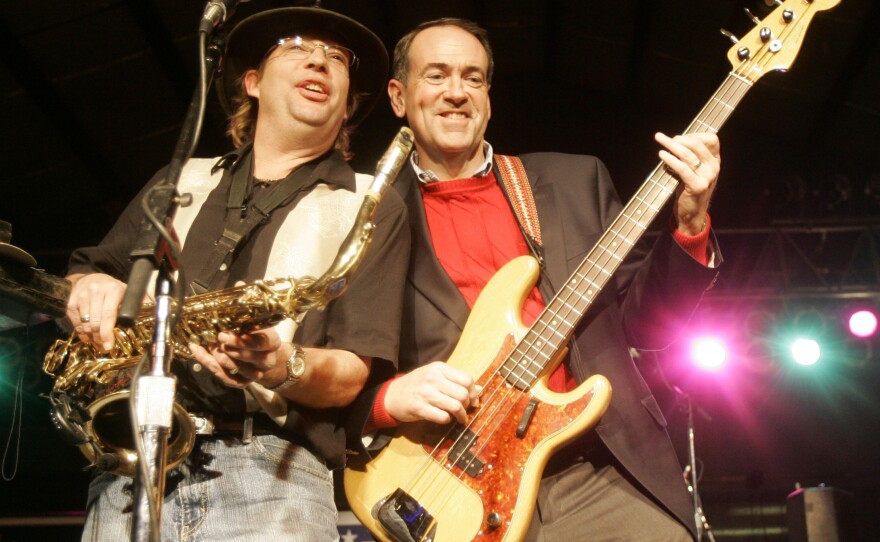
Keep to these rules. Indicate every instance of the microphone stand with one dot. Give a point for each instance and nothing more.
(700, 519)
(683, 400)
(154, 400)
(156, 248)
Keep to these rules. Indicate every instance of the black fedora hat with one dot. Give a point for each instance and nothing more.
(250, 39)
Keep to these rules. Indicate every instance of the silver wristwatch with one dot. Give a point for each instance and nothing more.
(296, 366)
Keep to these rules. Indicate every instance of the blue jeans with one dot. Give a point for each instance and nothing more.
(268, 490)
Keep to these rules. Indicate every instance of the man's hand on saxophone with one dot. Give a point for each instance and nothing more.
(92, 307)
(238, 360)
(325, 377)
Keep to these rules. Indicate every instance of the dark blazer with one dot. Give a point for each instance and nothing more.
(646, 305)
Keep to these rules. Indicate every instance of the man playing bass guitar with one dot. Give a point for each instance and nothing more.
(621, 481)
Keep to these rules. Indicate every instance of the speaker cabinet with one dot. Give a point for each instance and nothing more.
(820, 514)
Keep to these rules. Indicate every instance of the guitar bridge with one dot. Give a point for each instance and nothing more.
(404, 519)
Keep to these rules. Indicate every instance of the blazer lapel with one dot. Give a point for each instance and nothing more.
(426, 274)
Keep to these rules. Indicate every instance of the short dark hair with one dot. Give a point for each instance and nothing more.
(400, 64)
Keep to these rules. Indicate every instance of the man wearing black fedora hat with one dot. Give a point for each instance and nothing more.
(294, 82)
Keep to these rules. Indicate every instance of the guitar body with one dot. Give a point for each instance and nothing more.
(491, 494)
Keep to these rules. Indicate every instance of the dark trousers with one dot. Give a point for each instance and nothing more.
(584, 496)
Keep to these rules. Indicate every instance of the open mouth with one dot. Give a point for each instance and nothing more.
(314, 87)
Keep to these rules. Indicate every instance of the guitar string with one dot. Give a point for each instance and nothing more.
(422, 475)
(495, 385)
(668, 183)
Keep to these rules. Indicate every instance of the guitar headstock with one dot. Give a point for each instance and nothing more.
(774, 43)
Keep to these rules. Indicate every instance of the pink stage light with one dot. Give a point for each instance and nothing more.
(708, 353)
(863, 323)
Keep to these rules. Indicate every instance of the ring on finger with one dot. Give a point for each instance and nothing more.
(696, 165)
(233, 371)
(85, 318)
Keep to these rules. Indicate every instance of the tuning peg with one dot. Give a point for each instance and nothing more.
(742, 53)
(751, 16)
(729, 35)
(788, 15)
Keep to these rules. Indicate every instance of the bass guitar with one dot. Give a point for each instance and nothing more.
(479, 480)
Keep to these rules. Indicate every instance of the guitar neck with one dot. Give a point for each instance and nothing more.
(553, 327)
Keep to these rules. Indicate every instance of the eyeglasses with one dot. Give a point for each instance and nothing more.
(300, 48)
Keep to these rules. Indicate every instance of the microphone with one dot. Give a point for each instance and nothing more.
(216, 12)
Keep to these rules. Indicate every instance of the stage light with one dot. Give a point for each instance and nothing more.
(708, 353)
(863, 323)
(805, 351)
(770, 340)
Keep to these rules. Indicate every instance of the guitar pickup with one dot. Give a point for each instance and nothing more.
(460, 453)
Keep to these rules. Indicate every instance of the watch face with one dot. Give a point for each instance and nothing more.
(297, 365)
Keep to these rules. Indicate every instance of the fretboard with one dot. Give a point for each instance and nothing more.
(555, 324)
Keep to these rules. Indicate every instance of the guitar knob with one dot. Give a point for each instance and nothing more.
(494, 520)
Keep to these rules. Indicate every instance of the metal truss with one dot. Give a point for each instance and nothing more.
(797, 261)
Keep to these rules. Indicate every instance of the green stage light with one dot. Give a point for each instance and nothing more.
(805, 351)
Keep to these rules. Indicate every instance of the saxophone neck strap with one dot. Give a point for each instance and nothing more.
(516, 184)
(243, 218)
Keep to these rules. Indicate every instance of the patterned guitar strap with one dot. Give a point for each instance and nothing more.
(516, 184)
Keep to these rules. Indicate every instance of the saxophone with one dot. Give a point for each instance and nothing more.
(91, 393)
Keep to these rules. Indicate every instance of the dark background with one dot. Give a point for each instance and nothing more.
(94, 92)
